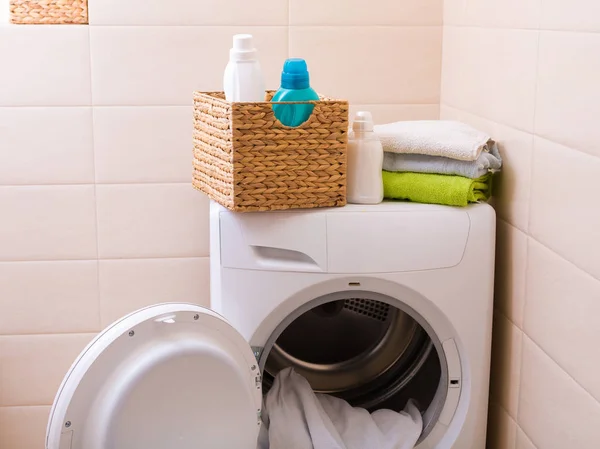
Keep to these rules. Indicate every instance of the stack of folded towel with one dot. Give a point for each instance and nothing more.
(437, 162)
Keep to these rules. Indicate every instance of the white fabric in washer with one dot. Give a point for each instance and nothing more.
(297, 418)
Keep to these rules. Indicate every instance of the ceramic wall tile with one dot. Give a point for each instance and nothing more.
(23, 427)
(511, 271)
(164, 65)
(512, 186)
(47, 223)
(455, 12)
(387, 113)
(153, 220)
(44, 66)
(504, 13)
(523, 441)
(4, 12)
(506, 364)
(374, 77)
(49, 297)
(450, 113)
(491, 73)
(576, 15)
(46, 146)
(561, 316)
(564, 191)
(535, 91)
(128, 285)
(568, 92)
(188, 12)
(357, 12)
(554, 411)
(33, 366)
(143, 144)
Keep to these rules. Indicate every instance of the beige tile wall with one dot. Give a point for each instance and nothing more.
(528, 72)
(98, 215)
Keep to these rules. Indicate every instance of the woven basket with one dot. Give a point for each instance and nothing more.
(246, 160)
(48, 11)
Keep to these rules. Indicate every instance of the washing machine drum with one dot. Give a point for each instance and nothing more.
(179, 376)
(362, 350)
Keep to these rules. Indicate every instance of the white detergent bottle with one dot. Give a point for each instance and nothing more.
(243, 79)
(365, 162)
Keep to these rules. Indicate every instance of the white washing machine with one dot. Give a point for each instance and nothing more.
(373, 304)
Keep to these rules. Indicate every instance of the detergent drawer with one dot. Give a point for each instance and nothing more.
(411, 240)
(275, 241)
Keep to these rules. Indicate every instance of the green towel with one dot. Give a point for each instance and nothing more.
(436, 189)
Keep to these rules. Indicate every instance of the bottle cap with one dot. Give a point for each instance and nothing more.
(243, 48)
(295, 74)
(363, 121)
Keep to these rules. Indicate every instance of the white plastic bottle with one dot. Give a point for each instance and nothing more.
(243, 79)
(365, 162)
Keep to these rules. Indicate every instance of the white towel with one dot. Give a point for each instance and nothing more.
(488, 161)
(297, 418)
(445, 138)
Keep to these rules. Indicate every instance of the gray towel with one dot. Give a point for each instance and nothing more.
(488, 161)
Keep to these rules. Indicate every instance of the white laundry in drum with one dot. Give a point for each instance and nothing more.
(297, 418)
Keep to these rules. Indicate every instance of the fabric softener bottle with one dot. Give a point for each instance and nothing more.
(295, 86)
(365, 161)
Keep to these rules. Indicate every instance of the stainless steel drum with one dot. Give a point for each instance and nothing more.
(359, 349)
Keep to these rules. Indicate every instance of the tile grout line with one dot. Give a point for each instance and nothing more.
(98, 299)
(536, 28)
(526, 277)
(546, 246)
(525, 334)
(289, 28)
(170, 105)
(542, 244)
(532, 133)
(23, 406)
(498, 404)
(52, 334)
(281, 25)
(88, 184)
(527, 435)
(101, 259)
(441, 77)
(488, 119)
(569, 375)
(499, 312)
(566, 259)
(533, 143)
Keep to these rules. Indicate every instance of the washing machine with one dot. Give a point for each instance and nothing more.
(374, 304)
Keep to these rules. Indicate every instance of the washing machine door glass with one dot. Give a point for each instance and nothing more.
(171, 376)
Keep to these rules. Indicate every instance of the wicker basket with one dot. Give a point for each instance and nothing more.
(48, 11)
(246, 160)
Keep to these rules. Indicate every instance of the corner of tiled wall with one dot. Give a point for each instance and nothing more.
(527, 72)
(95, 144)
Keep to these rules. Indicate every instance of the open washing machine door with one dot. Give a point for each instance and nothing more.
(174, 376)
